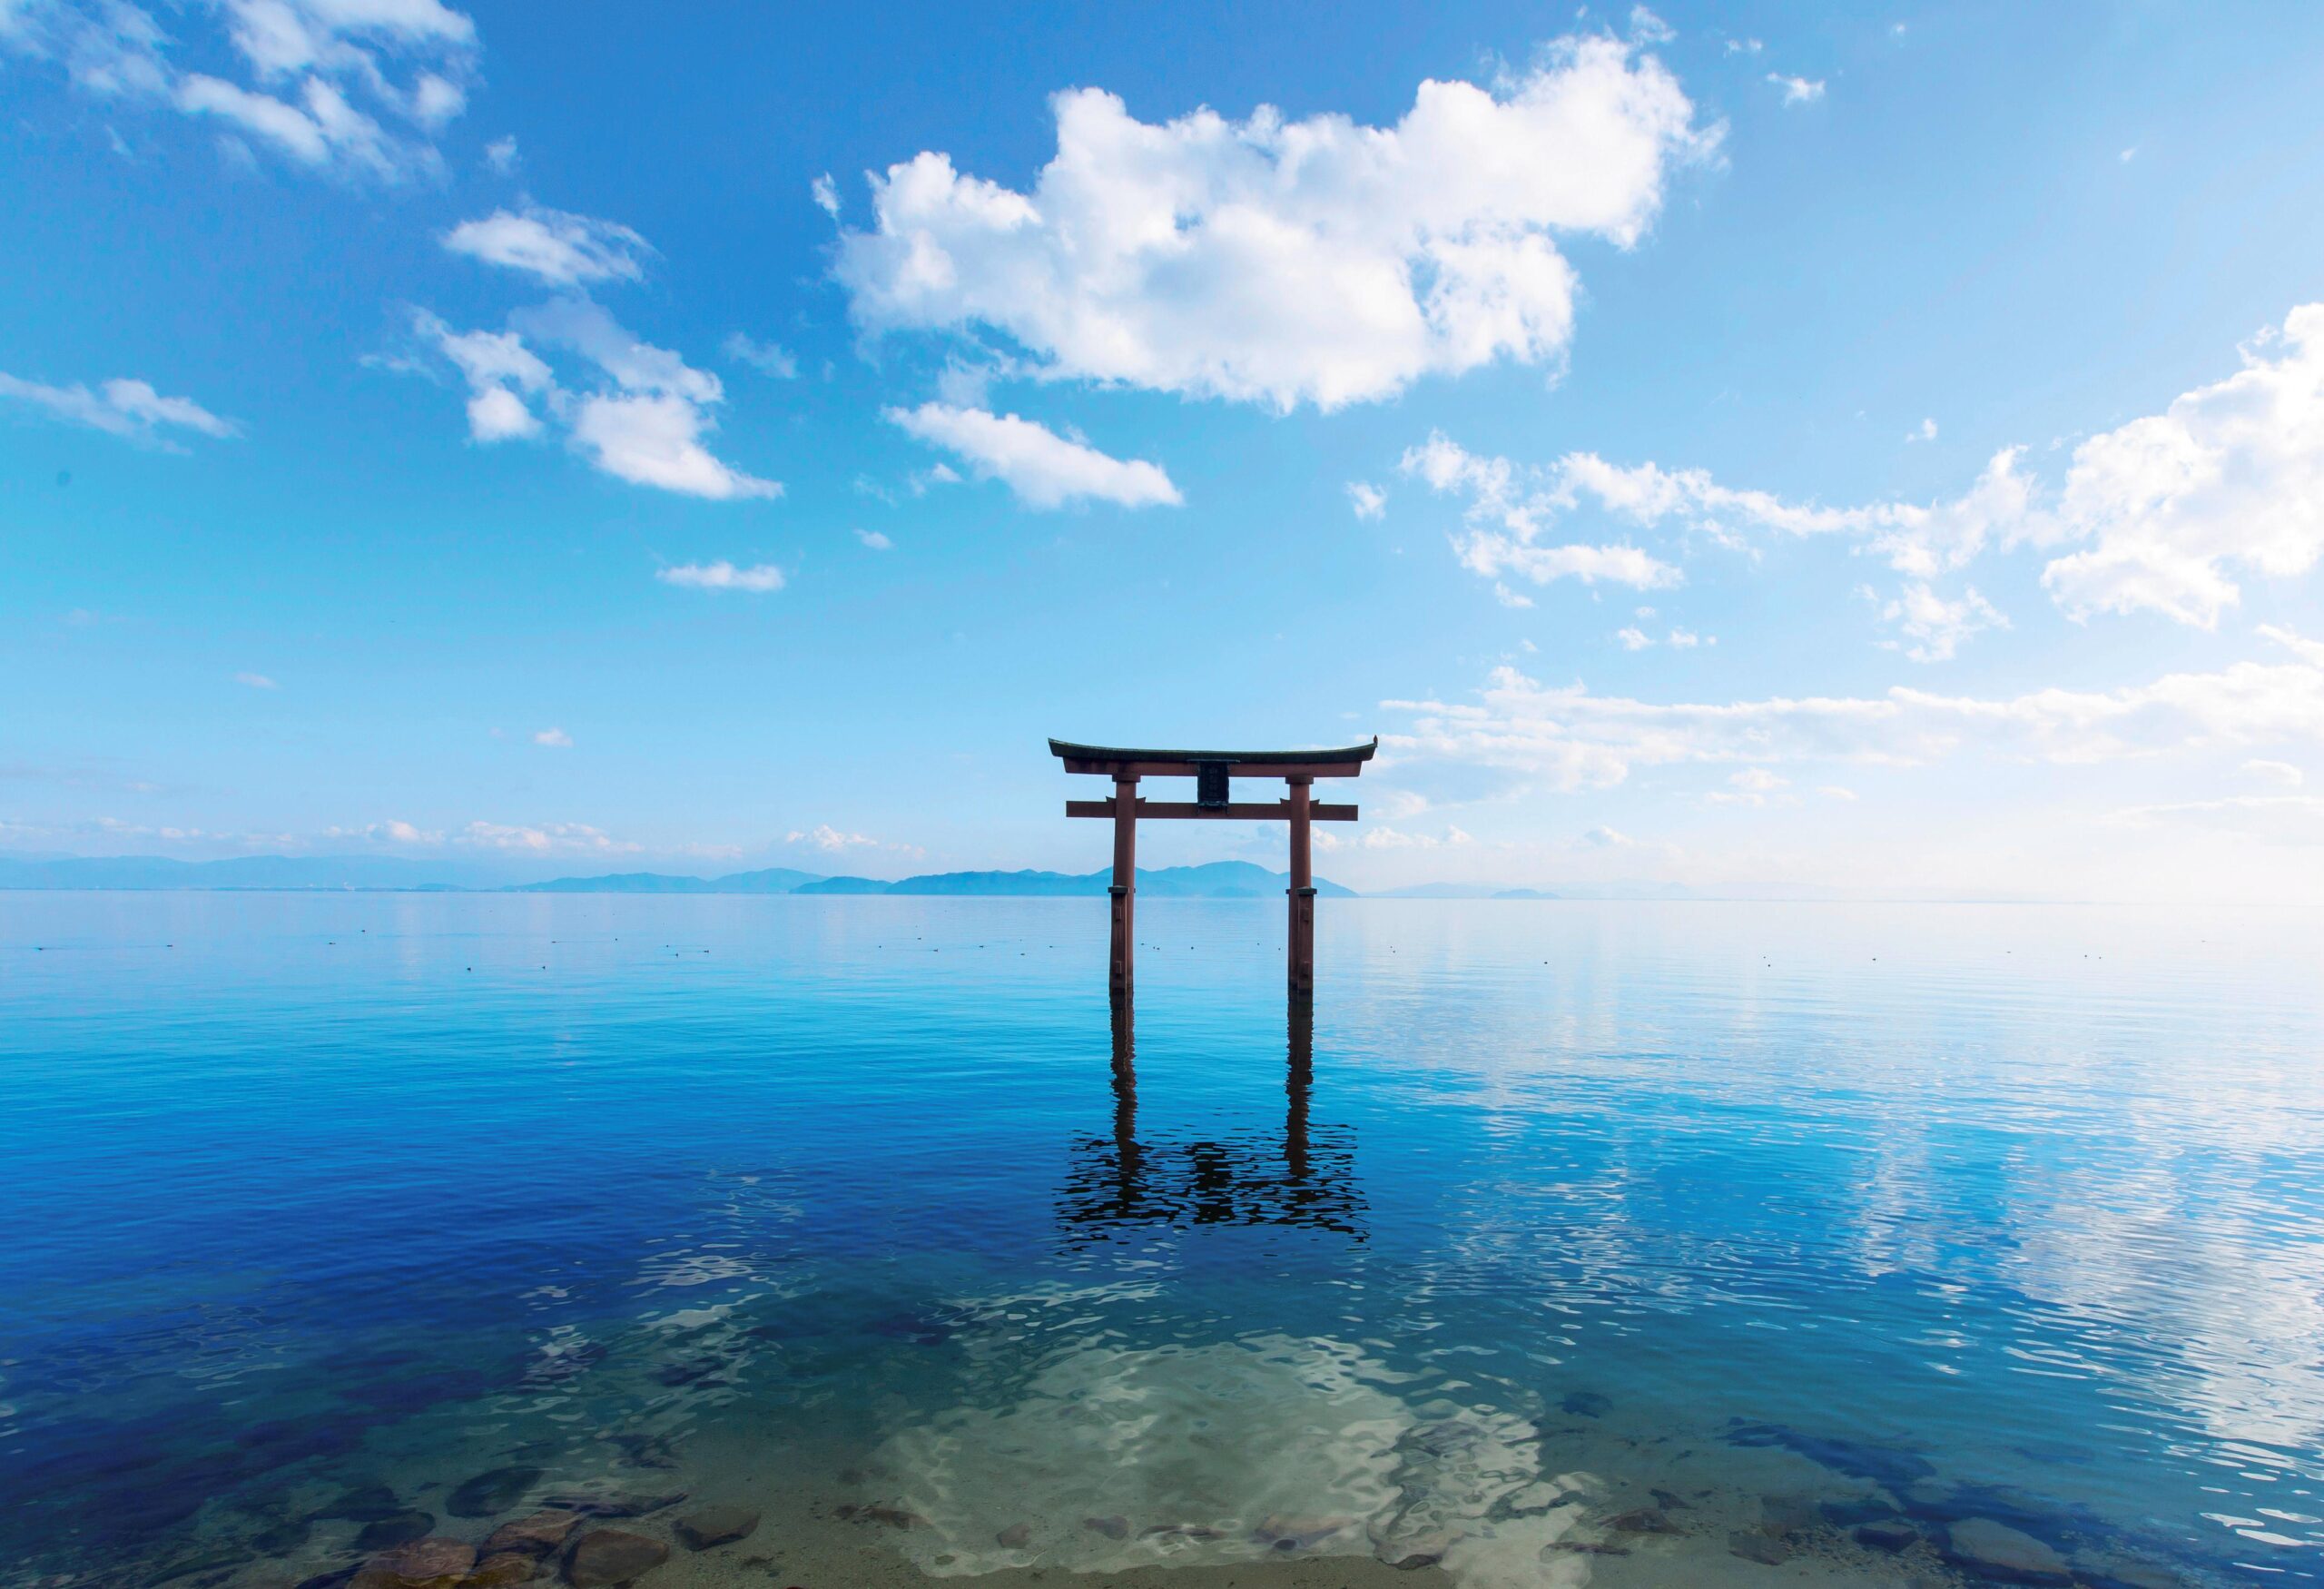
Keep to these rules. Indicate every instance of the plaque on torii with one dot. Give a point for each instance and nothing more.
(1214, 772)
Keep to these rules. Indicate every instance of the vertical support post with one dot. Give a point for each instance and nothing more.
(1125, 888)
(1302, 977)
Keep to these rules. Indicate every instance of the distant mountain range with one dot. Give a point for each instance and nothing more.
(389, 874)
(1219, 880)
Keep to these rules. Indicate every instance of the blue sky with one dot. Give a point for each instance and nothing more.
(1872, 449)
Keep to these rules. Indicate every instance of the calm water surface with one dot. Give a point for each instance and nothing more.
(1558, 1212)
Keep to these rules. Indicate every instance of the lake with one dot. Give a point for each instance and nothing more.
(1611, 1243)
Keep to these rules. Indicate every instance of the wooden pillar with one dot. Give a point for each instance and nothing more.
(1303, 896)
(1125, 888)
(1299, 1080)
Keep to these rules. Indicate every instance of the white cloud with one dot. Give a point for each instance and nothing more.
(1286, 261)
(763, 357)
(1567, 738)
(305, 65)
(1797, 90)
(723, 576)
(826, 195)
(823, 836)
(1686, 640)
(1646, 28)
(1505, 523)
(2169, 507)
(2282, 774)
(1511, 598)
(1937, 627)
(1751, 786)
(1835, 792)
(555, 738)
(1044, 469)
(1634, 638)
(550, 838)
(561, 249)
(645, 425)
(501, 156)
(1388, 838)
(875, 540)
(1368, 500)
(121, 407)
(392, 832)
(2230, 475)
(257, 681)
(1925, 431)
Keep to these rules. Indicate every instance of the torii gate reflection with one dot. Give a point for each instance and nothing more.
(1304, 1178)
(1212, 772)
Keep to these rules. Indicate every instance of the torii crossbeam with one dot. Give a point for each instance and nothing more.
(1212, 772)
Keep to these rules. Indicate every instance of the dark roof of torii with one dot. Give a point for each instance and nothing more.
(1349, 755)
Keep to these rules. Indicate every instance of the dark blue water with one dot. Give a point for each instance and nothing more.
(1555, 1212)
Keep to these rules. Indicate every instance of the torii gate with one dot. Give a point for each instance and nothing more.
(1212, 771)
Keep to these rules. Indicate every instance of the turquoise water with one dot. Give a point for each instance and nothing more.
(1952, 1211)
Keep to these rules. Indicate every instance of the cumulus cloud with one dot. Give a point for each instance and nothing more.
(643, 421)
(1368, 500)
(2229, 477)
(1286, 261)
(1751, 786)
(1043, 468)
(348, 87)
(132, 409)
(554, 738)
(875, 540)
(1505, 522)
(1935, 626)
(560, 249)
(2282, 774)
(1565, 737)
(1797, 90)
(501, 156)
(723, 576)
(395, 830)
(2168, 509)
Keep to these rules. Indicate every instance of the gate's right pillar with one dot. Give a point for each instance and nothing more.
(1301, 969)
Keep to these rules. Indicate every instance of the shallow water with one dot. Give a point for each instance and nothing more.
(1574, 1242)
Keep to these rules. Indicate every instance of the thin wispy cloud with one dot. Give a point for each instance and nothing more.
(723, 576)
(552, 246)
(125, 408)
(1043, 468)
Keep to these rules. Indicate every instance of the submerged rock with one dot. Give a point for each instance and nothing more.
(1016, 1536)
(489, 1493)
(615, 1506)
(1586, 1404)
(1892, 1535)
(612, 1556)
(536, 1535)
(424, 1563)
(1644, 1520)
(709, 1527)
(1996, 1551)
(1111, 1528)
(496, 1571)
(396, 1529)
(1298, 1533)
(1757, 1548)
